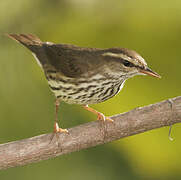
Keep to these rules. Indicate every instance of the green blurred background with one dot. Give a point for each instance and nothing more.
(152, 28)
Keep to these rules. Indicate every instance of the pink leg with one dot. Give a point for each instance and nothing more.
(56, 127)
(100, 116)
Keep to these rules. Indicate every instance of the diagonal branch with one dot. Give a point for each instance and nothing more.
(87, 135)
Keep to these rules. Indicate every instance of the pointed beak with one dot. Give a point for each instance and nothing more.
(148, 71)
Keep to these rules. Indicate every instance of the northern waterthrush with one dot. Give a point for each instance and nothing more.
(84, 76)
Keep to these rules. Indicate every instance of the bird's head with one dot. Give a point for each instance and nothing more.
(127, 62)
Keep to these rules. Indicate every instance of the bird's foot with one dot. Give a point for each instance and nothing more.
(57, 129)
(56, 132)
(102, 117)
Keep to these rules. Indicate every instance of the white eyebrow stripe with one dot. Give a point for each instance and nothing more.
(116, 55)
(136, 62)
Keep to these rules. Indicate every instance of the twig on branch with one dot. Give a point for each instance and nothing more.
(87, 135)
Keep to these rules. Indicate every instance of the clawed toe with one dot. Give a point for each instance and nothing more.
(59, 130)
(109, 119)
(56, 132)
(102, 117)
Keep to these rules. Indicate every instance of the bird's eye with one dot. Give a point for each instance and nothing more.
(127, 63)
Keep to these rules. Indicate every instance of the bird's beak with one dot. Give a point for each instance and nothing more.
(148, 71)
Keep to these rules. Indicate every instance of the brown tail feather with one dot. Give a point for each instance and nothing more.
(33, 43)
(26, 39)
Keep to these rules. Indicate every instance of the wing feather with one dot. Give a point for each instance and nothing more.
(70, 60)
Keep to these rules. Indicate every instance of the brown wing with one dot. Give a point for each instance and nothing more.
(72, 61)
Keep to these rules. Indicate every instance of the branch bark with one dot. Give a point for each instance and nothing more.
(87, 135)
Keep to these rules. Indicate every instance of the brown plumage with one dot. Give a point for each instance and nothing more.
(84, 75)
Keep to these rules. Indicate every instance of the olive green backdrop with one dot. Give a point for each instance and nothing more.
(152, 28)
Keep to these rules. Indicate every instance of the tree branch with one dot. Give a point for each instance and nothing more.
(87, 135)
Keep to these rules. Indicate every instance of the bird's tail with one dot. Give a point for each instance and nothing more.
(26, 39)
(33, 43)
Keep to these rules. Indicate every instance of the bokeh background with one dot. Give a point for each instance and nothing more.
(152, 28)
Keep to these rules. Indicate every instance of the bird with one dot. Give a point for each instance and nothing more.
(82, 75)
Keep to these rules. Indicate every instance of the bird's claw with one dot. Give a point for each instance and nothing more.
(55, 133)
(102, 117)
(59, 130)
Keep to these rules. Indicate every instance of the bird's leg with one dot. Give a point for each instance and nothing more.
(100, 116)
(56, 127)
